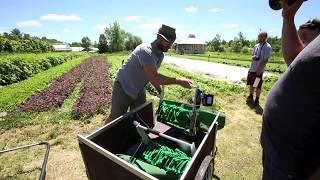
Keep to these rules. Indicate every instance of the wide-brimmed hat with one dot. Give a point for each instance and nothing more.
(168, 33)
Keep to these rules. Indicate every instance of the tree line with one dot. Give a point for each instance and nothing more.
(240, 44)
(113, 39)
(16, 41)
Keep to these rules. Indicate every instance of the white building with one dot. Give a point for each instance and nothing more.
(77, 49)
(93, 49)
(61, 47)
(191, 45)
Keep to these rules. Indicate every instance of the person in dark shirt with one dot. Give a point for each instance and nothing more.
(290, 135)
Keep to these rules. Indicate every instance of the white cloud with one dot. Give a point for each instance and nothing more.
(191, 9)
(3, 29)
(149, 26)
(216, 10)
(101, 27)
(230, 26)
(54, 36)
(30, 23)
(60, 17)
(132, 18)
(67, 30)
(156, 19)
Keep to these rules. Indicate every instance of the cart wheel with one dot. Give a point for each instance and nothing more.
(208, 174)
(206, 169)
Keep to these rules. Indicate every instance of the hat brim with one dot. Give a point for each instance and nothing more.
(170, 41)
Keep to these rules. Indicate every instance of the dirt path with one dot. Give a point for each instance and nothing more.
(216, 70)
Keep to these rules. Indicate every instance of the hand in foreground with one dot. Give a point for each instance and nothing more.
(186, 83)
(289, 12)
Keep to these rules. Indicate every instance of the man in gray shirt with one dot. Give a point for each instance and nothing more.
(260, 56)
(140, 68)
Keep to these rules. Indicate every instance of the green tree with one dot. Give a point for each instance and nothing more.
(75, 44)
(131, 41)
(115, 37)
(16, 33)
(85, 43)
(26, 36)
(275, 42)
(243, 40)
(20, 42)
(216, 44)
(136, 41)
(103, 44)
(95, 44)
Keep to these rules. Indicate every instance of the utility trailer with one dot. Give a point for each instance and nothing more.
(101, 149)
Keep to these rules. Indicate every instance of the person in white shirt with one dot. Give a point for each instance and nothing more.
(260, 56)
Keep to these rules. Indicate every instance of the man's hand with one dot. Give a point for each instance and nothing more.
(159, 91)
(289, 12)
(186, 83)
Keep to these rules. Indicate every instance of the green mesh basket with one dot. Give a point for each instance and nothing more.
(178, 115)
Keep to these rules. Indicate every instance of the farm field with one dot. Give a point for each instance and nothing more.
(58, 122)
(18, 67)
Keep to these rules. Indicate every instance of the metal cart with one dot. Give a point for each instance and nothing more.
(100, 148)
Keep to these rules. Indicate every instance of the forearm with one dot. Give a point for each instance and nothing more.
(262, 65)
(160, 79)
(291, 43)
(315, 175)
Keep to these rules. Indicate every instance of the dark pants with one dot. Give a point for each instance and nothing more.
(121, 101)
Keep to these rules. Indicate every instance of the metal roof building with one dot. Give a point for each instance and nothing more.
(61, 47)
(191, 45)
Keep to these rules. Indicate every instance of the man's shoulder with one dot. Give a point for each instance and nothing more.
(144, 47)
(268, 45)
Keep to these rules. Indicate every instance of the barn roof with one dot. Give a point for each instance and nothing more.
(61, 47)
(191, 39)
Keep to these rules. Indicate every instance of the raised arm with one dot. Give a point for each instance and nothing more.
(291, 43)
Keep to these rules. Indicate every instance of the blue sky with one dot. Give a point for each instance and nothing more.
(70, 20)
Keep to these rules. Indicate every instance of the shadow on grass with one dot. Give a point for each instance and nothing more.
(257, 108)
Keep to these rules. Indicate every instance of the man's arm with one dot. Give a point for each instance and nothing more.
(291, 43)
(157, 79)
(262, 65)
(266, 55)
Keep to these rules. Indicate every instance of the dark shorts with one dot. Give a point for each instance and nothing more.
(252, 76)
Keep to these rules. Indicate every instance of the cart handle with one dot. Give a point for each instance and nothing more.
(203, 167)
(45, 160)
